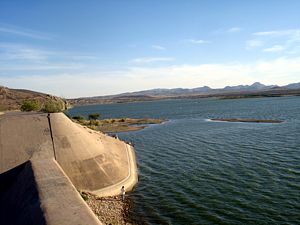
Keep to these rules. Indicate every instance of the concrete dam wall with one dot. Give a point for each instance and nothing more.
(45, 159)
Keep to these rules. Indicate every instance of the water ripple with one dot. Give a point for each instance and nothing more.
(197, 172)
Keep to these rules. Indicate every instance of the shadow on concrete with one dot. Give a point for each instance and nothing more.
(19, 198)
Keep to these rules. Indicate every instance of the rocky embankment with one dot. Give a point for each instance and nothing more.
(109, 210)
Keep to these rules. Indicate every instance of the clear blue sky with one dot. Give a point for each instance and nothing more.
(86, 48)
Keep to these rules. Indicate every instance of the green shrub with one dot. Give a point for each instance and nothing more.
(94, 116)
(52, 106)
(31, 105)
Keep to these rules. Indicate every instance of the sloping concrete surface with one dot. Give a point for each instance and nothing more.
(63, 156)
(91, 160)
(129, 182)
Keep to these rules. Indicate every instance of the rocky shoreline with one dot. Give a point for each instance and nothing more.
(110, 210)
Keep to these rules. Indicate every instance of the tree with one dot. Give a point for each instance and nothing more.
(94, 116)
(31, 105)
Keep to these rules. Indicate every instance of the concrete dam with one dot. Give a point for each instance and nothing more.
(45, 159)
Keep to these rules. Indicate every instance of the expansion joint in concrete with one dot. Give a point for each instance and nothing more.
(51, 134)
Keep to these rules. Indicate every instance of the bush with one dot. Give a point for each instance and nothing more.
(31, 105)
(94, 116)
(95, 122)
(78, 117)
(52, 106)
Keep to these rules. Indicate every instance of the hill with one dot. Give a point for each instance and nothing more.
(12, 99)
(240, 91)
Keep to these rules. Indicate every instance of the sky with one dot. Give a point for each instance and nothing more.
(76, 48)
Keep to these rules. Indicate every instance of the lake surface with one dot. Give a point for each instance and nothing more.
(193, 171)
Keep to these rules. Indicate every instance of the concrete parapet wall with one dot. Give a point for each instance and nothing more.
(60, 201)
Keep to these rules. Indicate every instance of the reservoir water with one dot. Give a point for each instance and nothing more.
(193, 171)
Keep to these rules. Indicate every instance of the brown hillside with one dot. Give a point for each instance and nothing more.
(12, 99)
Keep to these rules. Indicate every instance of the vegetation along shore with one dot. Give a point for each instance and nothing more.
(117, 124)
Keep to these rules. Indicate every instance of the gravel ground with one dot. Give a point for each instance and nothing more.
(109, 210)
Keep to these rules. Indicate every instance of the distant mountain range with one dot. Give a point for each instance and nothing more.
(207, 90)
(241, 91)
(11, 99)
(202, 90)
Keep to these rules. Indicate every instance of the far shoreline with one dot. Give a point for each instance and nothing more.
(244, 120)
(170, 98)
